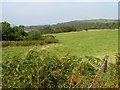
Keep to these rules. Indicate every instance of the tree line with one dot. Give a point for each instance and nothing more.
(76, 26)
(18, 33)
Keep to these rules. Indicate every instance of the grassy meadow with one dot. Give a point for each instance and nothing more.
(84, 43)
(74, 62)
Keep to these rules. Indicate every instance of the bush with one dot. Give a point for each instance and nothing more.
(40, 69)
(29, 43)
(34, 35)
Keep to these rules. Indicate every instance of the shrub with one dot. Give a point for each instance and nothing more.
(40, 69)
(34, 35)
(29, 43)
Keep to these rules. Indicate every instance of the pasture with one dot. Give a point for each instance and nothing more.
(74, 62)
(84, 43)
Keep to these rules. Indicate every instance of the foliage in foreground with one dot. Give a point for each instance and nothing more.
(40, 69)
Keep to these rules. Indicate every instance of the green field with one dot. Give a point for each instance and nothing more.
(90, 43)
(54, 66)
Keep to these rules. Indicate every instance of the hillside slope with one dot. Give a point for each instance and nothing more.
(80, 24)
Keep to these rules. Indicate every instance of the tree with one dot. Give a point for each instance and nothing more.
(14, 33)
(19, 32)
(6, 30)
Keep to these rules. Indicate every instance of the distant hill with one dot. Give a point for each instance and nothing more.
(80, 25)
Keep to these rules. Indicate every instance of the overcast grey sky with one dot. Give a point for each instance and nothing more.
(41, 13)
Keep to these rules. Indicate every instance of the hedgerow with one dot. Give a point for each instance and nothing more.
(29, 43)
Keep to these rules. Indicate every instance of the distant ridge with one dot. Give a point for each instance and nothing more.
(81, 24)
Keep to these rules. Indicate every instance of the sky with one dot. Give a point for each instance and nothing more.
(41, 13)
(59, 0)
